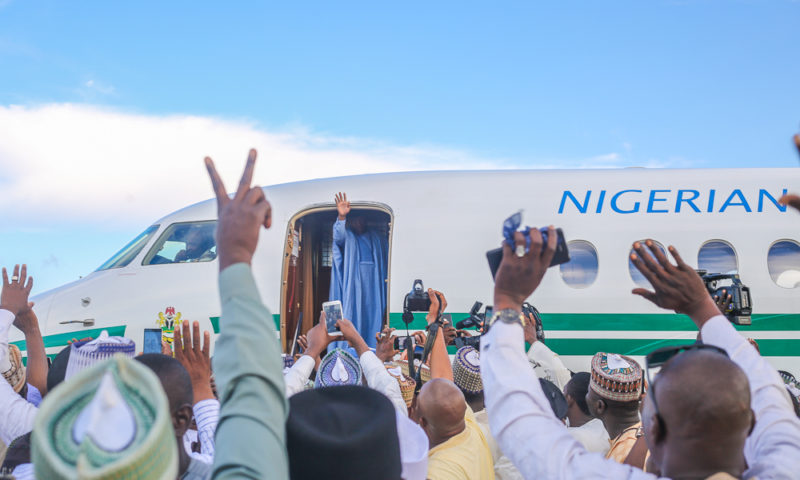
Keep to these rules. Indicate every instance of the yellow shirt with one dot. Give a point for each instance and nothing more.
(465, 456)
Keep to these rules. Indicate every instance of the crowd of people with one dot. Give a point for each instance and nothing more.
(508, 409)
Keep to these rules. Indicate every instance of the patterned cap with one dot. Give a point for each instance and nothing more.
(86, 354)
(15, 375)
(616, 377)
(407, 384)
(467, 370)
(110, 421)
(425, 375)
(338, 368)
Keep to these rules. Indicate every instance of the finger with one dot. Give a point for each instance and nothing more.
(652, 265)
(536, 242)
(790, 199)
(5, 277)
(647, 294)
(216, 183)
(344, 197)
(660, 256)
(196, 336)
(552, 242)
(797, 142)
(29, 286)
(16, 272)
(247, 176)
(187, 337)
(23, 274)
(177, 341)
(519, 244)
(643, 268)
(681, 264)
(206, 344)
(254, 195)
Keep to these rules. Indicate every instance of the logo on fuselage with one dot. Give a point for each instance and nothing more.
(671, 201)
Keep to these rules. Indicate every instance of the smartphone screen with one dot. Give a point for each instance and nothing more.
(333, 313)
(489, 313)
(152, 340)
(401, 342)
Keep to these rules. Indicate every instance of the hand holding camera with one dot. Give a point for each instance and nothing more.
(518, 276)
(437, 305)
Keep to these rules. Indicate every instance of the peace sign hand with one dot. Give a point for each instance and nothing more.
(240, 217)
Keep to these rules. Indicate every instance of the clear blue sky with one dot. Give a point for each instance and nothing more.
(670, 83)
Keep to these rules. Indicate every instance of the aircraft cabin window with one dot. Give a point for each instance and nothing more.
(717, 256)
(129, 251)
(783, 261)
(581, 270)
(184, 243)
(636, 276)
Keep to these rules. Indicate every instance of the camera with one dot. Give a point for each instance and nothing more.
(740, 307)
(469, 340)
(475, 319)
(528, 309)
(418, 300)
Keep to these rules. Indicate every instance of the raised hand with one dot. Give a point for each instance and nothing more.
(677, 288)
(518, 276)
(352, 336)
(384, 348)
(436, 298)
(342, 205)
(529, 329)
(318, 338)
(791, 199)
(240, 217)
(797, 142)
(14, 295)
(195, 358)
(723, 301)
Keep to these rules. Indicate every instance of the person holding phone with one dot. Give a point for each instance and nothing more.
(358, 276)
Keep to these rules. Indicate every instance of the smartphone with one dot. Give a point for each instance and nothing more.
(447, 318)
(401, 342)
(488, 314)
(494, 257)
(152, 340)
(333, 313)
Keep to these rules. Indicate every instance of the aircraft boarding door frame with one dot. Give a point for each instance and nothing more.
(294, 260)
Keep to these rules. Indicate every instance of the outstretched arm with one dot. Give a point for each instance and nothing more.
(440, 360)
(773, 448)
(251, 435)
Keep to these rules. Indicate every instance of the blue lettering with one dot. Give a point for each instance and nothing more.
(653, 200)
(729, 202)
(763, 193)
(600, 201)
(616, 197)
(689, 201)
(711, 194)
(581, 207)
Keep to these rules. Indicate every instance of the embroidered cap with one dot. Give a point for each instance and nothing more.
(15, 373)
(109, 421)
(467, 370)
(425, 375)
(338, 368)
(83, 355)
(616, 377)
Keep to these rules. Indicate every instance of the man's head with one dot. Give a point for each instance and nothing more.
(357, 223)
(440, 410)
(177, 385)
(199, 238)
(703, 403)
(575, 393)
(615, 387)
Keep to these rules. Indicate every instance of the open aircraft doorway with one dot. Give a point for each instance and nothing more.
(308, 260)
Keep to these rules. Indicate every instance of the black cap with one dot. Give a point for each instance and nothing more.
(342, 432)
(557, 401)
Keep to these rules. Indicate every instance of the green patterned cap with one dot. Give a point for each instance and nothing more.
(110, 421)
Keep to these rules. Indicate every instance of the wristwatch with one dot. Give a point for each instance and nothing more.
(508, 315)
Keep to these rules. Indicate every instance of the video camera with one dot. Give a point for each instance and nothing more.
(740, 307)
(476, 320)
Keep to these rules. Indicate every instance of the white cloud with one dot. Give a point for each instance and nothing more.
(65, 163)
(99, 87)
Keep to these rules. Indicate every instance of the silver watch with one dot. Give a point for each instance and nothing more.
(508, 315)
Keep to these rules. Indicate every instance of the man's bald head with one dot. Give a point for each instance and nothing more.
(441, 409)
(704, 400)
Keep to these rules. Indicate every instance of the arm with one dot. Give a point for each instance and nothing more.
(206, 416)
(36, 368)
(247, 361)
(16, 414)
(439, 359)
(339, 234)
(298, 375)
(773, 448)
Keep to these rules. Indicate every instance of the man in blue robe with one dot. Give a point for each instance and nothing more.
(358, 276)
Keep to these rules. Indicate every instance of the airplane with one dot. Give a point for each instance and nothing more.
(439, 226)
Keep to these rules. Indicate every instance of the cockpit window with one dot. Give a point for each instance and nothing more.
(189, 242)
(129, 251)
